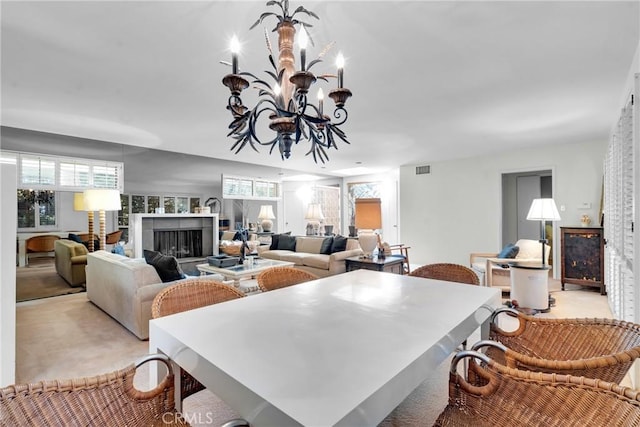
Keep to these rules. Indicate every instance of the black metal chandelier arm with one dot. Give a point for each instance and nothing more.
(341, 114)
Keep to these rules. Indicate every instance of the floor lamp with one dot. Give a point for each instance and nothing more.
(78, 205)
(543, 210)
(102, 200)
(368, 219)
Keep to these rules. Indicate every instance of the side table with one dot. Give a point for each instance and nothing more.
(391, 264)
(530, 285)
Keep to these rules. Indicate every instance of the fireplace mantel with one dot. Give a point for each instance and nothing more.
(141, 227)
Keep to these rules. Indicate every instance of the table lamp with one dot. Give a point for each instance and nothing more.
(78, 205)
(314, 216)
(543, 210)
(368, 219)
(266, 215)
(101, 200)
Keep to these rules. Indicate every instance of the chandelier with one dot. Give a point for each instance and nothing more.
(284, 102)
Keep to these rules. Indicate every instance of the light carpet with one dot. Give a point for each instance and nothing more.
(68, 337)
(40, 280)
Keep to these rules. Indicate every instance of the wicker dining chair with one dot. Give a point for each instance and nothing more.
(281, 277)
(105, 400)
(497, 395)
(594, 348)
(448, 272)
(188, 295)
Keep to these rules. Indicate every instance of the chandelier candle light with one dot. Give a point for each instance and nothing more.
(285, 101)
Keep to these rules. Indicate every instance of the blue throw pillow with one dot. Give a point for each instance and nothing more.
(75, 238)
(509, 251)
(118, 249)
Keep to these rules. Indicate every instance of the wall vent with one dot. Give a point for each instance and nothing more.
(421, 170)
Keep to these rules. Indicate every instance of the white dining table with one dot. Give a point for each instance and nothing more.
(343, 350)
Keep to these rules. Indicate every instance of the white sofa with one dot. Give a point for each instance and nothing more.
(307, 256)
(490, 269)
(124, 288)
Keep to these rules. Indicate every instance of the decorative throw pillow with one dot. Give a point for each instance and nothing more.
(327, 242)
(287, 243)
(167, 266)
(118, 249)
(275, 238)
(339, 244)
(509, 251)
(75, 238)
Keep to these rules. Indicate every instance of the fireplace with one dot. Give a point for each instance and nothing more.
(185, 236)
(178, 243)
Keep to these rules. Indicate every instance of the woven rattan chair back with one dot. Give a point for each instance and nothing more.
(595, 348)
(188, 295)
(281, 277)
(448, 272)
(496, 395)
(105, 400)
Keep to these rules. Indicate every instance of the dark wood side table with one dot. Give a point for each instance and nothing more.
(583, 256)
(391, 264)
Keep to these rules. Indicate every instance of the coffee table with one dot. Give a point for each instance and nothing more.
(245, 270)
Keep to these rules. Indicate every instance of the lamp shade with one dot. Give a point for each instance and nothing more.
(266, 212)
(102, 199)
(314, 212)
(78, 201)
(543, 210)
(368, 214)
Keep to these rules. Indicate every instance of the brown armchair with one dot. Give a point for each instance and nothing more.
(40, 244)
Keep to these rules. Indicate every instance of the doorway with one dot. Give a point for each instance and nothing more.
(518, 191)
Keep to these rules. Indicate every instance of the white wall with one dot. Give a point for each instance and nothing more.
(8, 221)
(457, 210)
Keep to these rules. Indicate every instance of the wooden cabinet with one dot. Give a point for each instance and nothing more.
(583, 256)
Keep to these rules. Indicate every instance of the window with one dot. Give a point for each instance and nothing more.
(45, 172)
(36, 210)
(234, 187)
(361, 190)
(37, 171)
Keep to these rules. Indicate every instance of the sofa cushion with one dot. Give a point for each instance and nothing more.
(530, 249)
(509, 251)
(167, 266)
(339, 244)
(295, 257)
(327, 242)
(318, 261)
(310, 245)
(286, 242)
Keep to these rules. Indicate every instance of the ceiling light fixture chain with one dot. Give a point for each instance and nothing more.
(285, 101)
